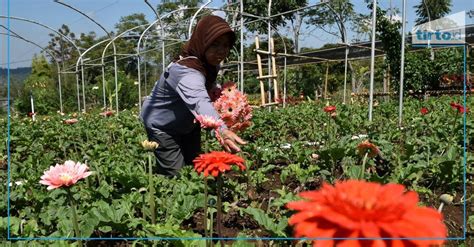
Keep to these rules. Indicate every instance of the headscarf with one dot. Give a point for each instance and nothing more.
(208, 29)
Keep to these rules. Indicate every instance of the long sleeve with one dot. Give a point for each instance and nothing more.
(192, 90)
(176, 100)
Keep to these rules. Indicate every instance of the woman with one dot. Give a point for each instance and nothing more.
(181, 94)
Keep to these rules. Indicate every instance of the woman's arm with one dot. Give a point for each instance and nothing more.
(192, 90)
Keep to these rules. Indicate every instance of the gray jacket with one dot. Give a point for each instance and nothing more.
(175, 101)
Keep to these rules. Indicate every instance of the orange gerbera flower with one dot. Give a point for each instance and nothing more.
(360, 209)
(368, 147)
(217, 162)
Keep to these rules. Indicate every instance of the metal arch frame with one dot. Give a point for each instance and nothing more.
(162, 42)
(159, 20)
(402, 65)
(82, 66)
(63, 36)
(45, 50)
(138, 52)
(194, 17)
(372, 59)
(103, 64)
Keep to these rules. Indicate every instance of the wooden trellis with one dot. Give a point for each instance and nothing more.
(273, 75)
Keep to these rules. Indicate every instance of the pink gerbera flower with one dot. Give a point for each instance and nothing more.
(64, 175)
(71, 121)
(233, 107)
(209, 122)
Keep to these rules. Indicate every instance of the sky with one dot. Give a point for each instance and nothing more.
(108, 13)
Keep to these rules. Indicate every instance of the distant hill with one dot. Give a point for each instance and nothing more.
(16, 75)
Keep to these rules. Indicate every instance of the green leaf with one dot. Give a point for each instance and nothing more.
(354, 171)
(264, 220)
(105, 229)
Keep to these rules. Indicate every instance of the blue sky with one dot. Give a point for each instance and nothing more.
(108, 13)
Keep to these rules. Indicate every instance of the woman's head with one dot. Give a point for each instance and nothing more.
(210, 42)
(208, 30)
(218, 50)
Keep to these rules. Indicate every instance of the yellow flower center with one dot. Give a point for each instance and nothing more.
(65, 177)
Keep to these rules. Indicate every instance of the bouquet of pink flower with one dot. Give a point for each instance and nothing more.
(233, 107)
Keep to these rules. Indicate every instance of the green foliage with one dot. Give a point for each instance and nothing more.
(277, 229)
(429, 10)
(388, 32)
(426, 155)
(423, 73)
(260, 8)
(41, 85)
(335, 12)
(126, 88)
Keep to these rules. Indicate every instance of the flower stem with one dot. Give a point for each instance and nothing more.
(206, 232)
(362, 171)
(219, 207)
(211, 227)
(75, 223)
(151, 190)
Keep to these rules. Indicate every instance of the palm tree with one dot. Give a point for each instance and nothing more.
(429, 10)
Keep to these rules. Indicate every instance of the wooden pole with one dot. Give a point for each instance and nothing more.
(274, 72)
(260, 72)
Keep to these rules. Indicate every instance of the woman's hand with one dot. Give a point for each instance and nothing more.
(230, 141)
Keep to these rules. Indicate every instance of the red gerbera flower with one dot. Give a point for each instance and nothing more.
(368, 147)
(460, 108)
(359, 209)
(217, 162)
(424, 111)
(329, 108)
(106, 113)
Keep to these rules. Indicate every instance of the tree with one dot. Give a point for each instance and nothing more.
(62, 48)
(176, 25)
(295, 18)
(67, 55)
(41, 85)
(334, 12)
(131, 21)
(388, 32)
(429, 10)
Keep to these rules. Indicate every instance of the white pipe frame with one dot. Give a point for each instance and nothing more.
(159, 20)
(52, 56)
(103, 64)
(82, 63)
(63, 36)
